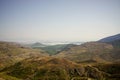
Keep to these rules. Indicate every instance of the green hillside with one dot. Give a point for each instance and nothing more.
(53, 49)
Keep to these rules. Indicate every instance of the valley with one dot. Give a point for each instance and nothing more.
(95, 60)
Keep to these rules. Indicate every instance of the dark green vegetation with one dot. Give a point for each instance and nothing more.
(53, 49)
(88, 61)
(37, 45)
(50, 49)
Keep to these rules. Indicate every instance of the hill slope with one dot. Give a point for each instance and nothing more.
(111, 38)
(94, 52)
(11, 53)
(114, 40)
(50, 68)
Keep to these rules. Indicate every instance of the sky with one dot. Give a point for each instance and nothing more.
(58, 20)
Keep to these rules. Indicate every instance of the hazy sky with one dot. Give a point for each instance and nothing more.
(58, 20)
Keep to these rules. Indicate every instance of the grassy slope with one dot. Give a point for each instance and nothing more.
(92, 51)
(50, 68)
(4, 76)
(113, 69)
(11, 53)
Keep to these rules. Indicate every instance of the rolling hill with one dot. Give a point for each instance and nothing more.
(91, 52)
(11, 53)
(89, 61)
(49, 68)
